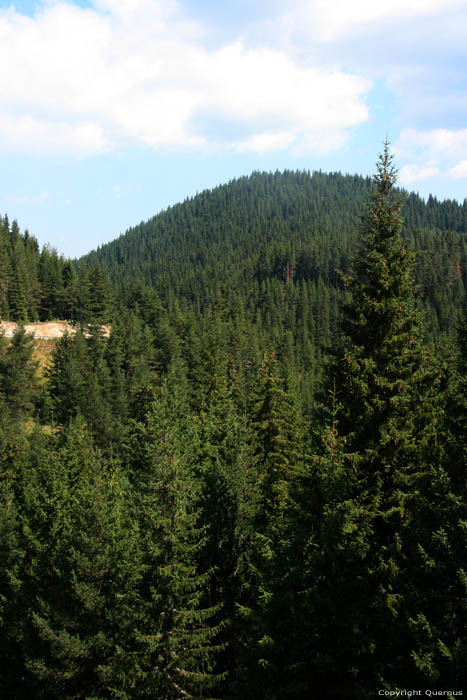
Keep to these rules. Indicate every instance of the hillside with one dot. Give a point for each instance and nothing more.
(246, 469)
(257, 262)
(282, 238)
(249, 220)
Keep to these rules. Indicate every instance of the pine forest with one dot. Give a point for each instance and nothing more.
(254, 486)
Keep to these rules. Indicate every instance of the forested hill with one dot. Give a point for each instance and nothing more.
(235, 245)
(254, 488)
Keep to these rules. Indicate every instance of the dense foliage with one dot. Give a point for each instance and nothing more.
(41, 284)
(271, 247)
(255, 487)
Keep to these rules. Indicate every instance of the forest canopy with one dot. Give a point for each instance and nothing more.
(254, 487)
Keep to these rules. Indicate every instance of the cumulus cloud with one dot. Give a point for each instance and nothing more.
(36, 135)
(330, 21)
(135, 71)
(415, 173)
(446, 143)
(416, 50)
(268, 141)
(436, 152)
(459, 171)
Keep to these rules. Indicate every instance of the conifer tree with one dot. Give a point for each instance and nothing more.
(170, 653)
(135, 341)
(73, 567)
(32, 285)
(5, 269)
(69, 300)
(50, 276)
(17, 297)
(67, 376)
(277, 448)
(268, 609)
(377, 453)
(223, 468)
(18, 380)
(101, 301)
(14, 464)
(84, 311)
(437, 623)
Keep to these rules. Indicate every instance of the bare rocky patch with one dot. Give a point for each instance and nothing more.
(46, 330)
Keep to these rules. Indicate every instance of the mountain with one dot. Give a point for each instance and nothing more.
(246, 468)
(281, 240)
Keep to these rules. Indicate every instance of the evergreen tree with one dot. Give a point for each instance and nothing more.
(67, 376)
(277, 442)
(223, 467)
(379, 451)
(72, 571)
(14, 466)
(16, 294)
(438, 621)
(269, 608)
(69, 300)
(5, 271)
(18, 380)
(171, 652)
(101, 301)
(51, 282)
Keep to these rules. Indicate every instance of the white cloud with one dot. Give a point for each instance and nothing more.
(26, 199)
(446, 143)
(268, 141)
(414, 51)
(415, 173)
(134, 71)
(330, 20)
(459, 171)
(436, 152)
(35, 135)
(266, 85)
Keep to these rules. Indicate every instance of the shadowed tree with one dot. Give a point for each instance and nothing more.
(374, 473)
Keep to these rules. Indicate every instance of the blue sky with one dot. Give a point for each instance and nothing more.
(111, 110)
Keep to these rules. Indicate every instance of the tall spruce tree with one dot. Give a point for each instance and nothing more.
(437, 622)
(69, 539)
(267, 603)
(18, 380)
(171, 651)
(379, 450)
(276, 442)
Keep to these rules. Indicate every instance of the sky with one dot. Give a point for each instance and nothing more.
(113, 110)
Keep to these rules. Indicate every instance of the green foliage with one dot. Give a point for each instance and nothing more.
(279, 465)
(184, 518)
(18, 381)
(277, 449)
(269, 247)
(172, 646)
(378, 466)
(42, 285)
(74, 560)
(108, 382)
